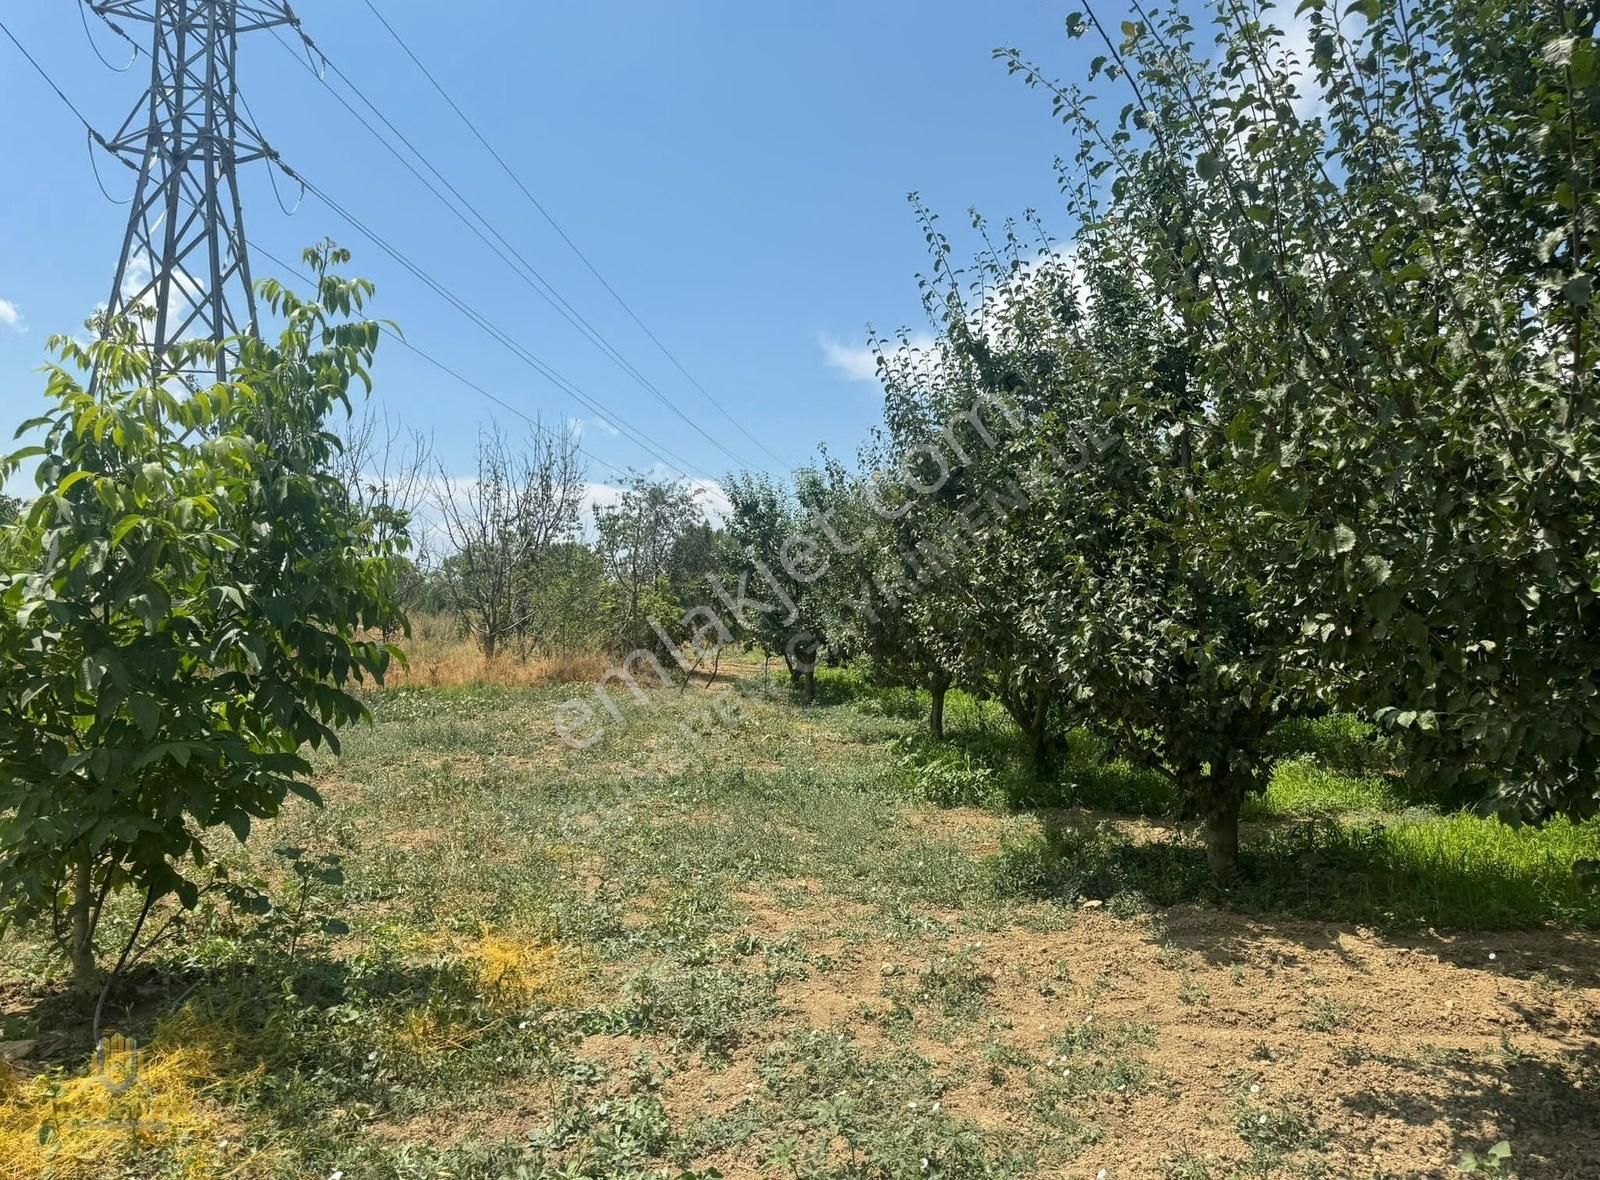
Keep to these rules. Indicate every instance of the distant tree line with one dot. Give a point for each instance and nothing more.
(525, 573)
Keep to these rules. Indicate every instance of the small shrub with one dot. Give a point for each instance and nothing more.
(706, 1008)
(182, 611)
(1326, 1015)
(956, 983)
(1490, 1163)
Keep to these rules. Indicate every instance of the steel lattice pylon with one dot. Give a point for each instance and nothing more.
(185, 139)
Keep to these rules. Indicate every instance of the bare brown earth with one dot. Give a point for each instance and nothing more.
(1398, 1051)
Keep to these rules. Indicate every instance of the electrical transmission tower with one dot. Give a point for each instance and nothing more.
(184, 272)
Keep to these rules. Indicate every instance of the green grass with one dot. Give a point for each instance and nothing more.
(1301, 787)
(369, 1027)
(1451, 871)
(1341, 836)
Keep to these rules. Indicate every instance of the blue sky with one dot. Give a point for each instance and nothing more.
(738, 171)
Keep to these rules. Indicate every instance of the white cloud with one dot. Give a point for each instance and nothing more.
(995, 317)
(11, 316)
(708, 493)
(1295, 52)
(857, 362)
(185, 293)
(581, 426)
(598, 495)
(860, 362)
(713, 500)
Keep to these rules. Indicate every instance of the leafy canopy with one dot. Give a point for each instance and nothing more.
(183, 606)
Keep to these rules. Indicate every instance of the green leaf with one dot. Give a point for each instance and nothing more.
(91, 671)
(146, 714)
(125, 526)
(306, 791)
(1582, 65)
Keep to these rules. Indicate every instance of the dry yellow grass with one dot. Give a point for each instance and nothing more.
(138, 1101)
(517, 971)
(425, 1037)
(440, 654)
(168, 1100)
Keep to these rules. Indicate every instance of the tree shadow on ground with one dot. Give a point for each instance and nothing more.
(835, 688)
(305, 1020)
(1310, 907)
(1317, 869)
(1548, 1108)
(59, 1018)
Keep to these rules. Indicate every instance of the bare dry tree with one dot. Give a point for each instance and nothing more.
(524, 499)
(384, 466)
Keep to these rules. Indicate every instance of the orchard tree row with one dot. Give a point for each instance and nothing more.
(1302, 416)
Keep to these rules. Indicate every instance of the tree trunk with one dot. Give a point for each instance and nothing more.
(80, 949)
(936, 715)
(1040, 733)
(1032, 717)
(1222, 825)
(809, 683)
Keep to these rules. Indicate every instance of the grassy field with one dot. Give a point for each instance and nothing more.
(768, 940)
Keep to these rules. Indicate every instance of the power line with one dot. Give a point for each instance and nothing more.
(401, 340)
(83, 16)
(501, 337)
(50, 82)
(543, 212)
(527, 272)
(394, 335)
(548, 291)
(94, 136)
